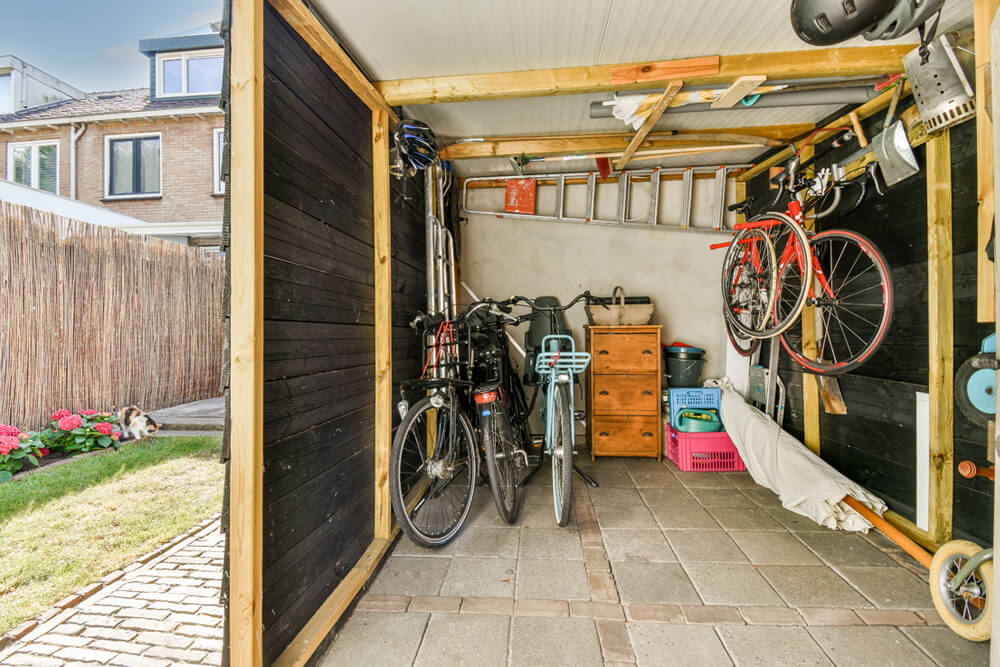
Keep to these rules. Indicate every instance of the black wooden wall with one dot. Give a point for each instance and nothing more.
(874, 444)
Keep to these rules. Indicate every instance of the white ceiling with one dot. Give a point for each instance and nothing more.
(395, 39)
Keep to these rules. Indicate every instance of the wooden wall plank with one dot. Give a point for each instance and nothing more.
(986, 308)
(810, 384)
(383, 322)
(246, 255)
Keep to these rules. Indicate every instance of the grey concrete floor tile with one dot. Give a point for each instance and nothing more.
(666, 645)
(636, 516)
(637, 544)
(762, 496)
(687, 516)
(558, 543)
(890, 587)
(656, 478)
(705, 546)
(773, 548)
(947, 648)
(410, 576)
(484, 511)
(742, 480)
(546, 580)
(615, 496)
(406, 547)
(704, 480)
(804, 586)
(763, 646)
(722, 498)
(731, 584)
(464, 640)
(654, 583)
(536, 495)
(542, 515)
(859, 646)
(795, 522)
(486, 542)
(554, 642)
(480, 577)
(376, 639)
(667, 497)
(608, 477)
(741, 518)
(846, 549)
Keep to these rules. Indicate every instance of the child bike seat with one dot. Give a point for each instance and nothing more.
(539, 328)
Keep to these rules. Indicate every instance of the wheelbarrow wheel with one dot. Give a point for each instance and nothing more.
(967, 612)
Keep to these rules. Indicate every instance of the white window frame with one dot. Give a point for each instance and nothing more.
(34, 160)
(108, 138)
(183, 56)
(218, 187)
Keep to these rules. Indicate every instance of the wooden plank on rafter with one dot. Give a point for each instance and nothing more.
(739, 89)
(654, 115)
(986, 307)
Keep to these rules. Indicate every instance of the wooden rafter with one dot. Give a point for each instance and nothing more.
(654, 116)
(739, 89)
(570, 144)
(857, 61)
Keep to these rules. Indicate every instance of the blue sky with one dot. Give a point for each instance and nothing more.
(94, 45)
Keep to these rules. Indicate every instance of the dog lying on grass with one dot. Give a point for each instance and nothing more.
(136, 424)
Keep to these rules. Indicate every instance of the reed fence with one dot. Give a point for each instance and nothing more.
(93, 317)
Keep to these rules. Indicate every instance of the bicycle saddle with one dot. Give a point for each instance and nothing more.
(538, 329)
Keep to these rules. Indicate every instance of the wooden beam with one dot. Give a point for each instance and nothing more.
(986, 308)
(810, 386)
(647, 126)
(911, 530)
(940, 313)
(304, 22)
(869, 108)
(573, 144)
(857, 61)
(383, 322)
(739, 89)
(246, 384)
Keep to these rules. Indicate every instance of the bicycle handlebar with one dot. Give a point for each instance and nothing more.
(549, 309)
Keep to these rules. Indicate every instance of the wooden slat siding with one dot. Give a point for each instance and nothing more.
(879, 394)
(318, 338)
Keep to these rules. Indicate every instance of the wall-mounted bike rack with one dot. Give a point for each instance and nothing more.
(626, 180)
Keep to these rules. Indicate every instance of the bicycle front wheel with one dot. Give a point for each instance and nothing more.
(432, 472)
(503, 462)
(562, 453)
(847, 319)
(749, 275)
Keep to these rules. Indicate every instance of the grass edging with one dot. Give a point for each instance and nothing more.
(86, 592)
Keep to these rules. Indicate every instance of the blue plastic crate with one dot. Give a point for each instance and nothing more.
(706, 398)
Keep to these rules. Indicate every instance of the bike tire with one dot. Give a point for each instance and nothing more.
(743, 285)
(873, 335)
(562, 454)
(745, 347)
(973, 620)
(397, 494)
(496, 432)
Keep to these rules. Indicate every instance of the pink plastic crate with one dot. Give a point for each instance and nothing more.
(701, 452)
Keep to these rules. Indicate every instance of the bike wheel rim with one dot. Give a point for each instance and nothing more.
(557, 460)
(963, 608)
(505, 466)
(748, 289)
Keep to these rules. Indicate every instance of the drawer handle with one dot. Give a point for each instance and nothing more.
(647, 393)
(647, 352)
(603, 352)
(647, 434)
(604, 434)
(603, 392)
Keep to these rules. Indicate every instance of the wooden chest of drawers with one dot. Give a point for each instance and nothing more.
(623, 391)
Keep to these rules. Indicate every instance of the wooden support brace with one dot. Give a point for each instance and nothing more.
(651, 120)
(810, 387)
(739, 89)
(986, 310)
(383, 321)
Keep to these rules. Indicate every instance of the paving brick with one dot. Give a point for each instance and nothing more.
(174, 606)
(66, 640)
(435, 604)
(87, 591)
(213, 658)
(153, 614)
(205, 644)
(118, 646)
(113, 634)
(590, 534)
(595, 559)
(889, 617)
(33, 660)
(487, 606)
(119, 601)
(593, 609)
(602, 587)
(384, 603)
(931, 617)
(84, 654)
(213, 610)
(550, 608)
(21, 630)
(175, 654)
(199, 631)
(161, 597)
(200, 600)
(68, 601)
(659, 613)
(771, 616)
(139, 661)
(829, 616)
(98, 609)
(147, 624)
(164, 639)
(712, 615)
(41, 649)
(70, 628)
(194, 619)
(615, 642)
(95, 620)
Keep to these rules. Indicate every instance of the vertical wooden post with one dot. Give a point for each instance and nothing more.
(740, 194)
(994, 65)
(383, 322)
(986, 310)
(940, 324)
(246, 332)
(810, 384)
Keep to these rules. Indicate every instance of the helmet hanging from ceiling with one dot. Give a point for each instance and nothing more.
(907, 15)
(416, 143)
(825, 22)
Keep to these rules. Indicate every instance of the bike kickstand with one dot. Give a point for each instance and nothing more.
(587, 478)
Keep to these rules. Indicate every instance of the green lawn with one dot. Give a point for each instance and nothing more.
(66, 527)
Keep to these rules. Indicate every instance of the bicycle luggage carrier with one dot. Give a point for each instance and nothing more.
(553, 362)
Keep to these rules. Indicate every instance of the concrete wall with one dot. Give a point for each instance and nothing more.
(502, 257)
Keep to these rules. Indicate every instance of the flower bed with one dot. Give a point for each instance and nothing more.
(69, 433)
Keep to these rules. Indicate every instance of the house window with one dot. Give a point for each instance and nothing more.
(35, 164)
(218, 147)
(132, 165)
(6, 94)
(189, 73)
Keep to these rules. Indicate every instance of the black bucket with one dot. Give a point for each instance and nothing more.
(684, 364)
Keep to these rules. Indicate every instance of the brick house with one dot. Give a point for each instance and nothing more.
(151, 153)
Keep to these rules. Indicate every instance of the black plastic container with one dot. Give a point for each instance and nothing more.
(684, 364)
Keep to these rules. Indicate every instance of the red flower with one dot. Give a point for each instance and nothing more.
(88, 413)
(23, 436)
(70, 422)
(8, 443)
(43, 451)
(59, 414)
(104, 428)
(9, 430)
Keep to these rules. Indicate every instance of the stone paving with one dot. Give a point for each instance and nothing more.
(162, 610)
(658, 567)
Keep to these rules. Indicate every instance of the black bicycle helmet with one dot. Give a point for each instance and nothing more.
(417, 145)
(907, 15)
(825, 22)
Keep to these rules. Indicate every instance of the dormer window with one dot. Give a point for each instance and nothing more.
(188, 73)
